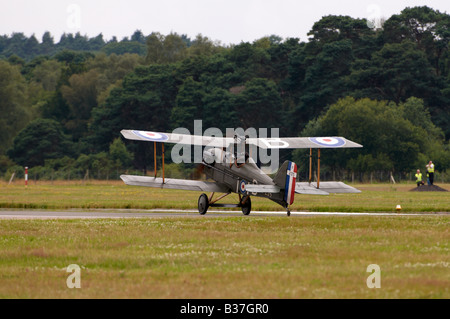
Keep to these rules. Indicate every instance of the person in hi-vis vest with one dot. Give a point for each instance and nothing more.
(419, 180)
(430, 170)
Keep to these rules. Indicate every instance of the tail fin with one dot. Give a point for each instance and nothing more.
(285, 179)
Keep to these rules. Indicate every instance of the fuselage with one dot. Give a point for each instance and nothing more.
(227, 169)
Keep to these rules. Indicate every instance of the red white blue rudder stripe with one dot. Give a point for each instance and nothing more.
(291, 176)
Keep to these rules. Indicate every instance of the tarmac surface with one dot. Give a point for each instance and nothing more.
(164, 213)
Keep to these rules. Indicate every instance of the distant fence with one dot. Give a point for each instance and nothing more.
(372, 177)
(46, 174)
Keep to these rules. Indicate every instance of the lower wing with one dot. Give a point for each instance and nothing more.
(324, 188)
(171, 183)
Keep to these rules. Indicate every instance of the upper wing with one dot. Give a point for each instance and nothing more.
(303, 142)
(177, 138)
(170, 183)
(266, 143)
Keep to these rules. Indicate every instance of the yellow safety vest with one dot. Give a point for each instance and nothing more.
(418, 177)
(430, 168)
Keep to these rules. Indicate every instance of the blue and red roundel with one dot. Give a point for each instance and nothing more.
(152, 136)
(328, 141)
(242, 187)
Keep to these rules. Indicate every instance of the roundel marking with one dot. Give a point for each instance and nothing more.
(242, 187)
(152, 136)
(328, 141)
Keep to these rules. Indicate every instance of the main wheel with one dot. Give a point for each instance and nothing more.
(203, 204)
(246, 206)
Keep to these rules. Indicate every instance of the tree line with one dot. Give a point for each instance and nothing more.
(388, 89)
(28, 48)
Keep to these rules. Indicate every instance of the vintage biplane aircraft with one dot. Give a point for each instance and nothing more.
(227, 162)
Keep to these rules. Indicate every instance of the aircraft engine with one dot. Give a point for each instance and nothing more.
(209, 156)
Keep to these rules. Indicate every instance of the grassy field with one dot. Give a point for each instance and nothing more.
(114, 194)
(227, 257)
(224, 257)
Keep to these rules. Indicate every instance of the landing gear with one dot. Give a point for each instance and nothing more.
(203, 204)
(246, 205)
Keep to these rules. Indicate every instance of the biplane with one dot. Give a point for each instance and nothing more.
(227, 163)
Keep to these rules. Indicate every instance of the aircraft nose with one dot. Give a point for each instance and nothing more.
(208, 156)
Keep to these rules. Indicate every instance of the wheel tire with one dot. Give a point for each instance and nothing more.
(247, 206)
(203, 204)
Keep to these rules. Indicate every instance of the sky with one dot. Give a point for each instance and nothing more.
(226, 21)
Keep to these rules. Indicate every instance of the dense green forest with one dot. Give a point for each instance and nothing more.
(63, 104)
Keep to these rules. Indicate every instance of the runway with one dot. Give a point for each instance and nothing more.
(164, 213)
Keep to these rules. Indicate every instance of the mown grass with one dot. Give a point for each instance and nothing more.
(114, 194)
(227, 257)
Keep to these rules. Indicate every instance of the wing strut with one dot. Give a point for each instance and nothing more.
(318, 166)
(154, 154)
(310, 164)
(162, 161)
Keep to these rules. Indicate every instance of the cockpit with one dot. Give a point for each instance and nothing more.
(217, 155)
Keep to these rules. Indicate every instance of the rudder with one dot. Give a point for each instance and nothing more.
(285, 179)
